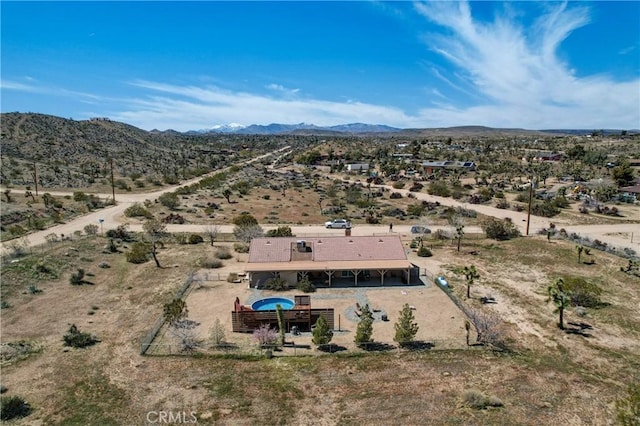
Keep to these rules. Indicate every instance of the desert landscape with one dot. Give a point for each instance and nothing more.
(487, 349)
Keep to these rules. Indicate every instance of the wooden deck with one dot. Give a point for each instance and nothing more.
(246, 320)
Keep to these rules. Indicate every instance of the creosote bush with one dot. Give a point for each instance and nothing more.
(223, 253)
(241, 248)
(424, 252)
(77, 339)
(211, 263)
(139, 253)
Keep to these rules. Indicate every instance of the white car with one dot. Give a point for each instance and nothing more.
(338, 223)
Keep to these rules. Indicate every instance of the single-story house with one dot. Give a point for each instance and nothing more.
(331, 261)
(430, 166)
(548, 156)
(357, 167)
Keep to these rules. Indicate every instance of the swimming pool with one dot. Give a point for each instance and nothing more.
(269, 304)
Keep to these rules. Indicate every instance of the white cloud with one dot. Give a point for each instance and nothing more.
(518, 72)
(193, 107)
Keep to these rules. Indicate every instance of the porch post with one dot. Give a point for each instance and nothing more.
(382, 272)
(355, 276)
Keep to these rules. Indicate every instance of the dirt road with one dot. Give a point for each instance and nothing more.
(618, 235)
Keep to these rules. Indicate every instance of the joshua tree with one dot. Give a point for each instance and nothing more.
(156, 230)
(457, 222)
(467, 327)
(470, 274)
(227, 194)
(560, 298)
(580, 250)
(406, 327)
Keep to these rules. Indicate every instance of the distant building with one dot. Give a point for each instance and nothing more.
(357, 167)
(430, 166)
(548, 156)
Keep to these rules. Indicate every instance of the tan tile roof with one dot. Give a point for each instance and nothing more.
(329, 249)
(327, 266)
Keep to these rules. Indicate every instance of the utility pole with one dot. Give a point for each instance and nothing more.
(529, 209)
(113, 187)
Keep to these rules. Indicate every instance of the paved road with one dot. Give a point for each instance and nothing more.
(618, 235)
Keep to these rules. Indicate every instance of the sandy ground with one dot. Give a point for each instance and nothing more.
(439, 319)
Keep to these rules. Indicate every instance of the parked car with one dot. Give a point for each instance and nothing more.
(419, 229)
(338, 223)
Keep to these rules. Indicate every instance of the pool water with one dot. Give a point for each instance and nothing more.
(269, 304)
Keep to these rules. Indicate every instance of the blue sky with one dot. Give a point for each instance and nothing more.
(184, 66)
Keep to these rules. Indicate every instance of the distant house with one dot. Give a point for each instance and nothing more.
(548, 156)
(430, 166)
(330, 261)
(357, 167)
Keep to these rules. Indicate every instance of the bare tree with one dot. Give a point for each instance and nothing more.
(212, 231)
(247, 233)
(489, 328)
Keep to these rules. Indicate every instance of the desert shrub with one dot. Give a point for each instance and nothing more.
(281, 231)
(306, 286)
(582, 292)
(33, 289)
(416, 209)
(91, 229)
(233, 277)
(104, 265)
(137, 210)
(77, 339)
(398, 185)
(121, 233)
(440, 189)
(475, 399)
(502, 204)
(241, 248)
(77, 278)
(211, 263)
(522, 198)
(12, 407)
(139, 253)
(170, 200)
(545, 209)
(395, 195)
(195, 239)
(223, 253)
(276, 284)
(498, 229)
(464, 212)
(560, 202)
(424, 252)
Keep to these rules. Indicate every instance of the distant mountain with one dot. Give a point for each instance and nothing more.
(276, 128)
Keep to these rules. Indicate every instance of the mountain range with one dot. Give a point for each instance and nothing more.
(276, 128)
